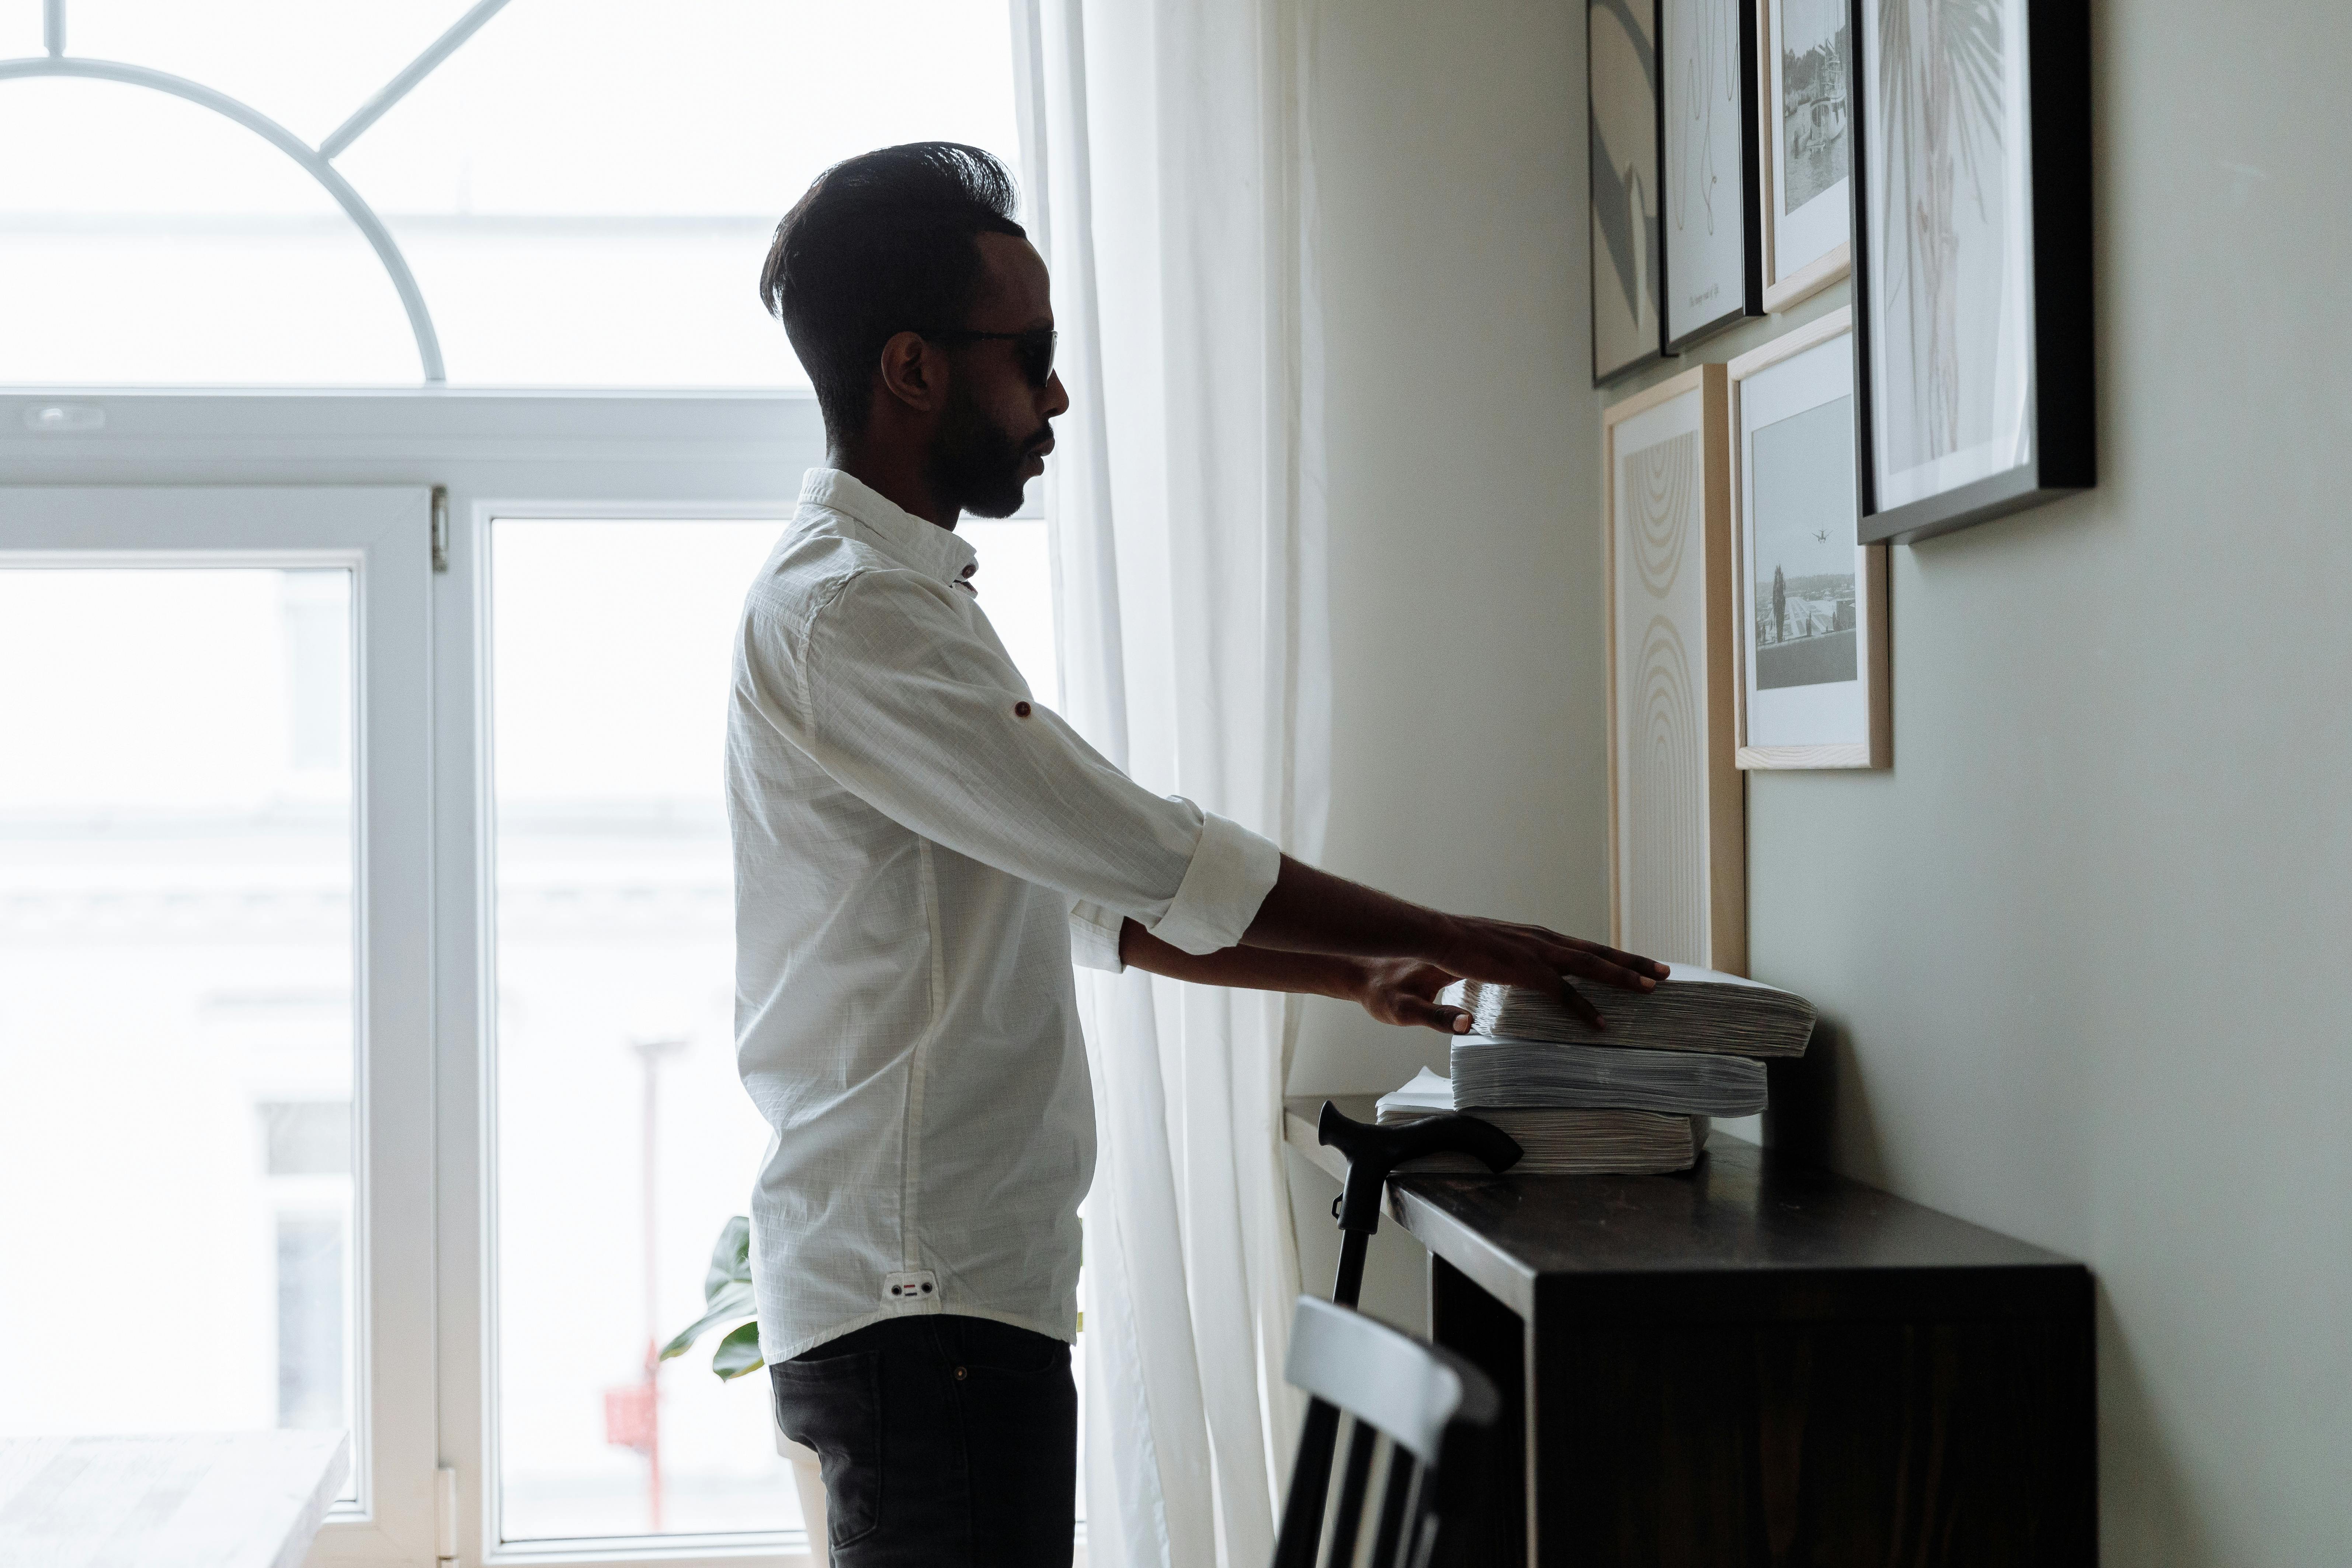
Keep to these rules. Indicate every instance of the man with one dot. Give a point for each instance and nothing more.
(921, 848)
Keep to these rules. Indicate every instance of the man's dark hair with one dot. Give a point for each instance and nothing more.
(883, 243)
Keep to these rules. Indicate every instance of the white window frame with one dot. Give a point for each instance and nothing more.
(491, 455)
(374, 533)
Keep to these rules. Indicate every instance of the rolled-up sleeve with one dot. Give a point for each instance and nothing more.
(900, 700)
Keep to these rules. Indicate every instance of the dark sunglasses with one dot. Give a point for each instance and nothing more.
(1032, 350)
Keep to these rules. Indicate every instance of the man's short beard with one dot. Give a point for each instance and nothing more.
(976, 464)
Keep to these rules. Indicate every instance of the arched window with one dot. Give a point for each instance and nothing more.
(532, 194)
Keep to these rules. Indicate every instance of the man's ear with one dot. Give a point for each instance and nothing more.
(914, 372)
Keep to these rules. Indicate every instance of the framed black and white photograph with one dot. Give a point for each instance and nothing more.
(1804, 72)
(1622, 130)
(1713, 245)
(1812, 687)
(1973, 253)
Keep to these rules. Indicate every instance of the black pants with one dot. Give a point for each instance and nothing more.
(947, 1442)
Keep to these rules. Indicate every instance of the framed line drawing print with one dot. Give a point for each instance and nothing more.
(1812, 684)
(1621, 128)
(1804, 72)
(1972, 256)
(1709, 154)
(1678, 804)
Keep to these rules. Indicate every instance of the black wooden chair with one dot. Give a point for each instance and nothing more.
(1429, 1411)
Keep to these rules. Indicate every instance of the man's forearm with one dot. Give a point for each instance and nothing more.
(1323, 936)
(1310, 911)
(1248, 968)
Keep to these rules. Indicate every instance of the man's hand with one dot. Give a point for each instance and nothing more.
(1507, 954)
(1403, 991)
(1313, 911)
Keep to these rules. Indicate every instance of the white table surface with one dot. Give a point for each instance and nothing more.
(230, 1500)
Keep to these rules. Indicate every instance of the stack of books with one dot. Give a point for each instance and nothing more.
(1635, 1099)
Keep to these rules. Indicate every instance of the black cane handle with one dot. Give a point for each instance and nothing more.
(1373, 1152)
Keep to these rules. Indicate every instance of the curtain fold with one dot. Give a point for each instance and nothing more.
(1169, 183)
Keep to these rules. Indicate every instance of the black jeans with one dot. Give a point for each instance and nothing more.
(947, 1442)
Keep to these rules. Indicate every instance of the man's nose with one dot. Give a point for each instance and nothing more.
(1057, 397)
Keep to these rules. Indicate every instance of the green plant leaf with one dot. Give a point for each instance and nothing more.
(731, 1301)
(730, 1259)
(738, 1353)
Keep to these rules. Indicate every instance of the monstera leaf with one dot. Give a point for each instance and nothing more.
(726, 1298)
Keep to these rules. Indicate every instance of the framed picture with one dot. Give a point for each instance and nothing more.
(1712, 241)
(1812, 682)
(1622, 129)
(1678, 804)
(1804, 67)
(1972, 252)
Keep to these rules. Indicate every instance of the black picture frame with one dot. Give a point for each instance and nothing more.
(1623, 245)
(2059, 405)
(1735, 22)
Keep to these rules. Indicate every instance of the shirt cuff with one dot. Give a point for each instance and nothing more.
(1231, 871)
(1094, 936)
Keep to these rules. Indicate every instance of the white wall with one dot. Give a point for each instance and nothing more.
(2081, 951)
(1466, 602)
(2084, 947)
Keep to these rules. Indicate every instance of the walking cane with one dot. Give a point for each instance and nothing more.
(1372, 1152)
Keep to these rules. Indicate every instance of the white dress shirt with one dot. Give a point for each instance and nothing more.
(920, 848)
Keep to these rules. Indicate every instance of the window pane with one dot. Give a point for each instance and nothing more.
(305, 65)
(20, 32)
(586, 189)
(154, 241)
(176, 1000)
(625, 1138)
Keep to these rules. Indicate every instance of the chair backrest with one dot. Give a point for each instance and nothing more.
(1425, 1408)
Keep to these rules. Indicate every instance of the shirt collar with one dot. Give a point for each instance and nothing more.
(925, 546)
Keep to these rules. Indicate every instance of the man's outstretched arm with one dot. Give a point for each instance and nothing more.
(1324, 935)
(1393, 990)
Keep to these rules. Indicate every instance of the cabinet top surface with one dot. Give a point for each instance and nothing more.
(1741, 1211)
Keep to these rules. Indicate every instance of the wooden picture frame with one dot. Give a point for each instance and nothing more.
(1621, 103)
(1677, 804)
(1823, 657)
(1710, 241)
(1972, 259)
(1804, 111)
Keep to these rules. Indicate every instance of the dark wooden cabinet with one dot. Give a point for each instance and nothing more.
(1759, 1364)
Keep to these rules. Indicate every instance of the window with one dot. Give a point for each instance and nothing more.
(430, 863)
(211, 900)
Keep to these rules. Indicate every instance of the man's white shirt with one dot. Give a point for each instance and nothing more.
(920, 849)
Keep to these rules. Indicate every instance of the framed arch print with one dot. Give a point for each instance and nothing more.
(1678, 805)
(1812, 685)
(1972, 259)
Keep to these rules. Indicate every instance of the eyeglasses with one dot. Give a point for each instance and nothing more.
(1032, 350)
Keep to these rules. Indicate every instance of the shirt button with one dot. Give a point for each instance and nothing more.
(1020, 709)
(958, 1375)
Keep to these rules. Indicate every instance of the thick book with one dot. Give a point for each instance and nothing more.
(1557, 1075)
(1556, 1143)
(1694, 1009)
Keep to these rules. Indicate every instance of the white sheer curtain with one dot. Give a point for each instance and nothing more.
(1170, 183)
